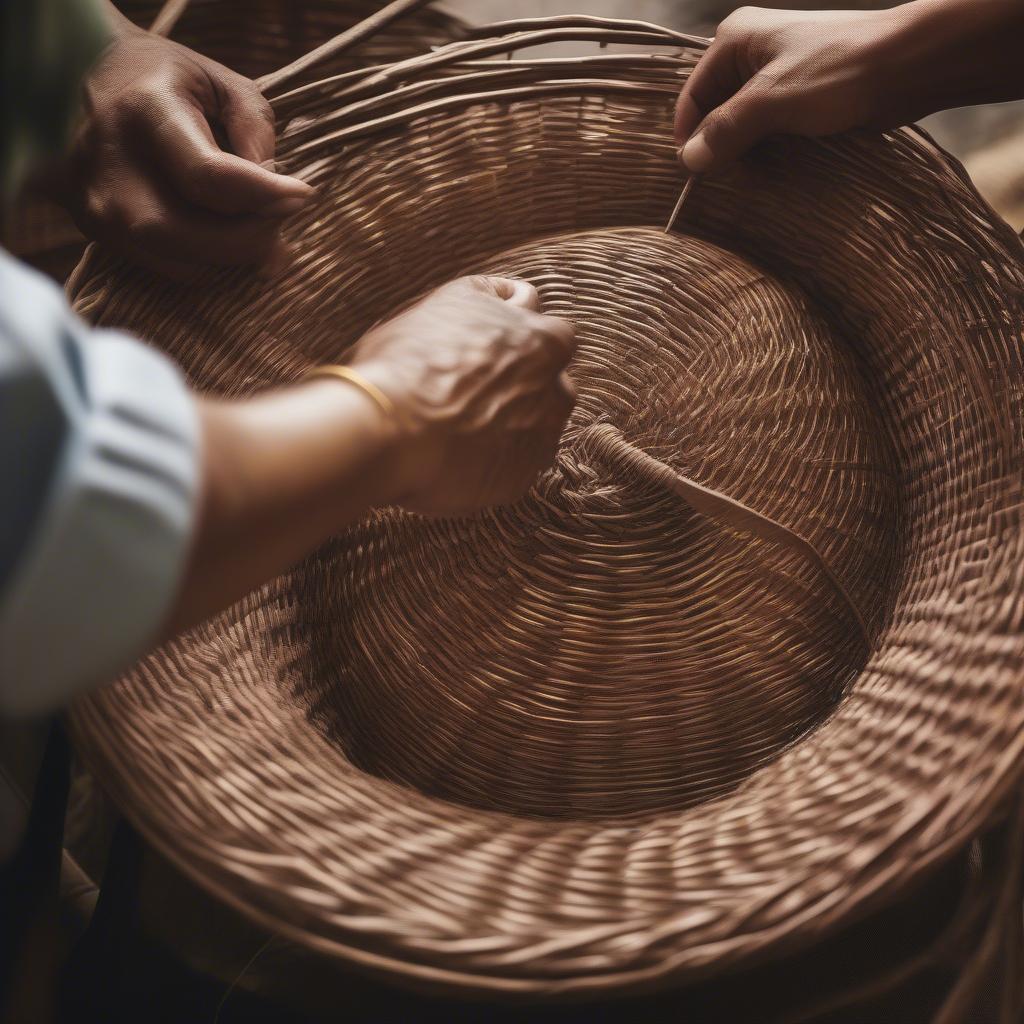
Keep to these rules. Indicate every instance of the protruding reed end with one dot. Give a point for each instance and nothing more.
(690, 182)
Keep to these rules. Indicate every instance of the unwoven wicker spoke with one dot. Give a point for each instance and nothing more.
(340, 43)
(381, 83)
(597, 741)
(583, 23)
(485, 78)
(167, 17)
(458, 53)
(719, 506)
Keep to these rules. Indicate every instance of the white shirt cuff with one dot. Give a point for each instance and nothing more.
(106, 560)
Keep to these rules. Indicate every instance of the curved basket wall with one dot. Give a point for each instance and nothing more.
(597, 740)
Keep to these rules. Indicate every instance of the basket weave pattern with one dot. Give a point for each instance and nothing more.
(564, 746)
(601, 648)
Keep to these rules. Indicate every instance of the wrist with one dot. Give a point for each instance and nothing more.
(415, 451)
(357, 420)
(318, 454)
(951, 53)
(282, 472)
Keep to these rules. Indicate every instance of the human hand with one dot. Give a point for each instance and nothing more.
(477, 373)
(822, 72)
(146, 173)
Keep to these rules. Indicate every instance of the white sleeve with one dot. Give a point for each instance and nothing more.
(86, 588)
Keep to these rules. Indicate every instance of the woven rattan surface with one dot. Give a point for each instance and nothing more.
(597, 740)
(601, 648)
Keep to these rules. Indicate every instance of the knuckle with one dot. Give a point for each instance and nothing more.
(729, 28)
(469, 290)
(96, 207)
(203, 178)
(739, 24)
(742, 16)
(205, 171)
(244, 96)
(146, 102)
(266, 112)
(261, 105)
(475, 282)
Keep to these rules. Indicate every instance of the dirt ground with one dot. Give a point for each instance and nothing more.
(988, 140)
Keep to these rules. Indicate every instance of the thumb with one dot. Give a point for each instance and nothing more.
(512, 290)
(516, 292)
(248, 120)
(204, 174)
(732, 128)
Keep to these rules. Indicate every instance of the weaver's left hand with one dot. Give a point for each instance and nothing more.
(147, 175)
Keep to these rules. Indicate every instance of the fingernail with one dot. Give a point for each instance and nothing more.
(697, 155)
(286, 207)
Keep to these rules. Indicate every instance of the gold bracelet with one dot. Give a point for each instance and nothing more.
(346, 373)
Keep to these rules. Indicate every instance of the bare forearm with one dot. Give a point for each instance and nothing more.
(959, 52)
(282, 473)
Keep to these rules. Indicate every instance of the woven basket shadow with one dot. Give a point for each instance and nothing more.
(605, 739)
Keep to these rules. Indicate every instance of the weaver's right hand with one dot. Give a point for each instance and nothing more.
(477, 374)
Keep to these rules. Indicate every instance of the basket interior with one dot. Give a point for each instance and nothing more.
(600, 648)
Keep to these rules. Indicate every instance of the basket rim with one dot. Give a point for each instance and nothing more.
(785, 938)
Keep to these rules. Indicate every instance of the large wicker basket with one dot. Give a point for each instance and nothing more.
(743, 669)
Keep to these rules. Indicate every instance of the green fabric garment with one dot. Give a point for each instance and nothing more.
(46, 47)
